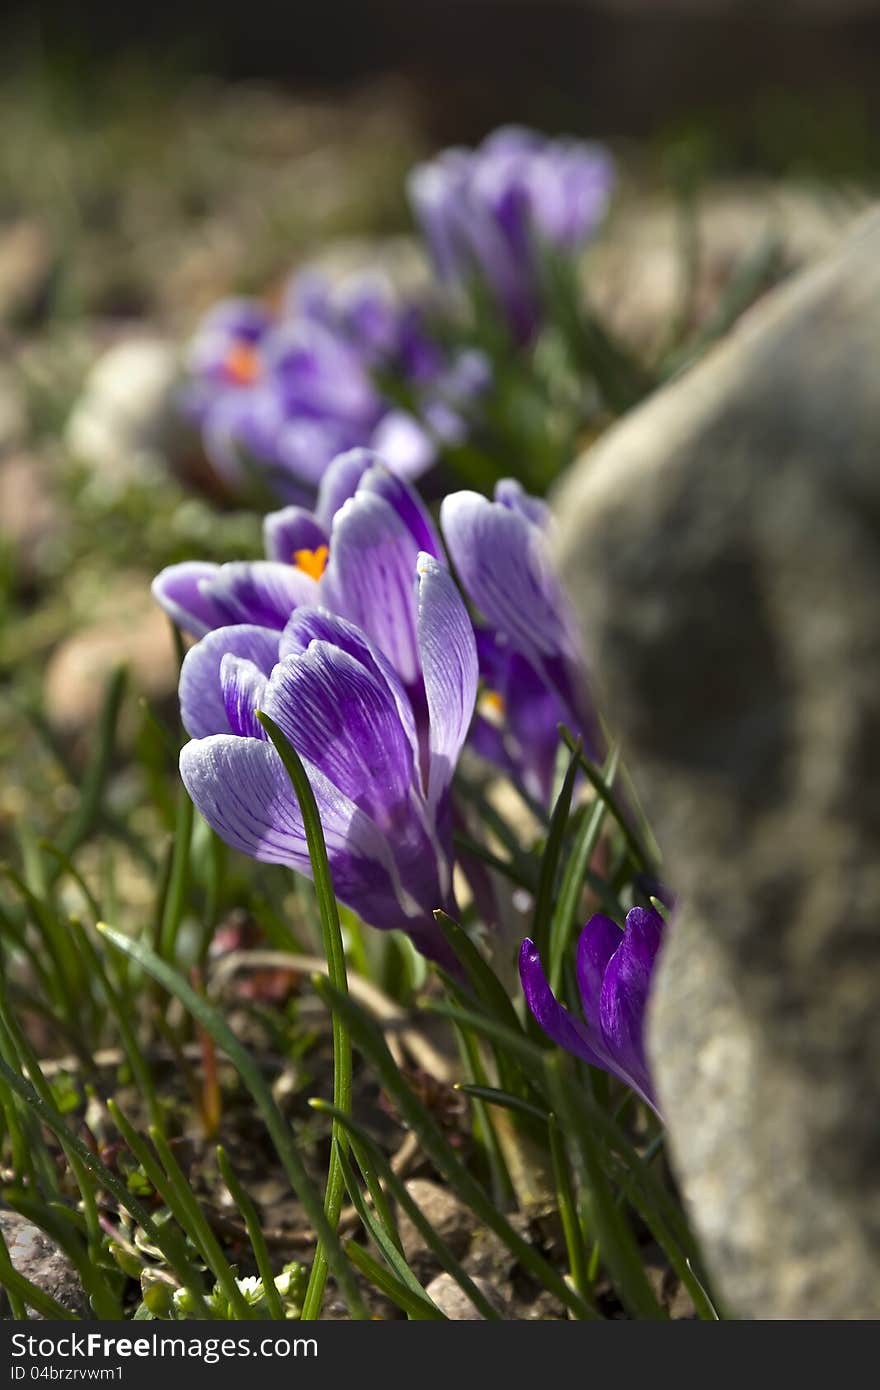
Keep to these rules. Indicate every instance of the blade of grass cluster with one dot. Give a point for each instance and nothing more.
(484, 1128)
(65, 971)
(253, 1223)
(620, 1252)
(490, 818)
(552, 853)
(253, 1079)
(81, 824)
(640, 854)
(17, 1046)
(415, 1306)
(193, 1220)
(67, 865)
(174, 898)
(484, 982)
(178, 1255)
(139, 1068)
(643, 1189)
(335, 952)
(50, 1117)
(573, 877)
(374, 1187)
(438, 1148)
(30, 1155)
(384, 1237)
(395, 1185)
(589, 1114)
(578, 1258)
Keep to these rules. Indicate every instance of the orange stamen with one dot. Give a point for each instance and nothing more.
(492, 705)
(242, 364)
(313, 562)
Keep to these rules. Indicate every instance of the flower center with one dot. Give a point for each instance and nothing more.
(312, 562)
(242, 364)
(492, 706)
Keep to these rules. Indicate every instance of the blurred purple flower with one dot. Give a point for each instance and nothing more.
(614, 970)
(492, 210)
(286, 392)
(380, 770)
(530, 658)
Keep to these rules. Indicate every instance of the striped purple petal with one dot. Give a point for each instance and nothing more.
(202, 704)
(448, 655)
(341, 718)
(371, 578)
(178, 590)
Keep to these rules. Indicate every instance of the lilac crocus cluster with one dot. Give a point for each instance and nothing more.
(492, 211)
(283, 391)
(354, 638)
(533, 676)
(614, 970)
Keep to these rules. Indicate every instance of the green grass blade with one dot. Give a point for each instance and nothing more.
(174, 1247)
(383, 1238)
(174, 898)
(193, 1220)
(493, 1096)
(335, 951)
(416, 1307)
(573, 878)
(578, 1258)
(397, 1188)
(80, 826)
(251, 1218)
(639, 853)
(253, 1079)
(438, 1148)
(552, 853)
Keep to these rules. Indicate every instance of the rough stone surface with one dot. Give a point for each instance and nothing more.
(449, 1218)
(41, 1261)
(454, 1302)
(722, 547)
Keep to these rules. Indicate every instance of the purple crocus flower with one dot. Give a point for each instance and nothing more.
(354, 554)
(380, 770)
(490, 211)
(285, 392)
(614, 970)
(531, 658)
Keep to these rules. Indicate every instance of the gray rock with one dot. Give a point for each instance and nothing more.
(41, 1261)
(722, 547)
(454, 1302)
(449, 1217)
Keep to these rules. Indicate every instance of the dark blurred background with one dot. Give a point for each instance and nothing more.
(773, 83)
